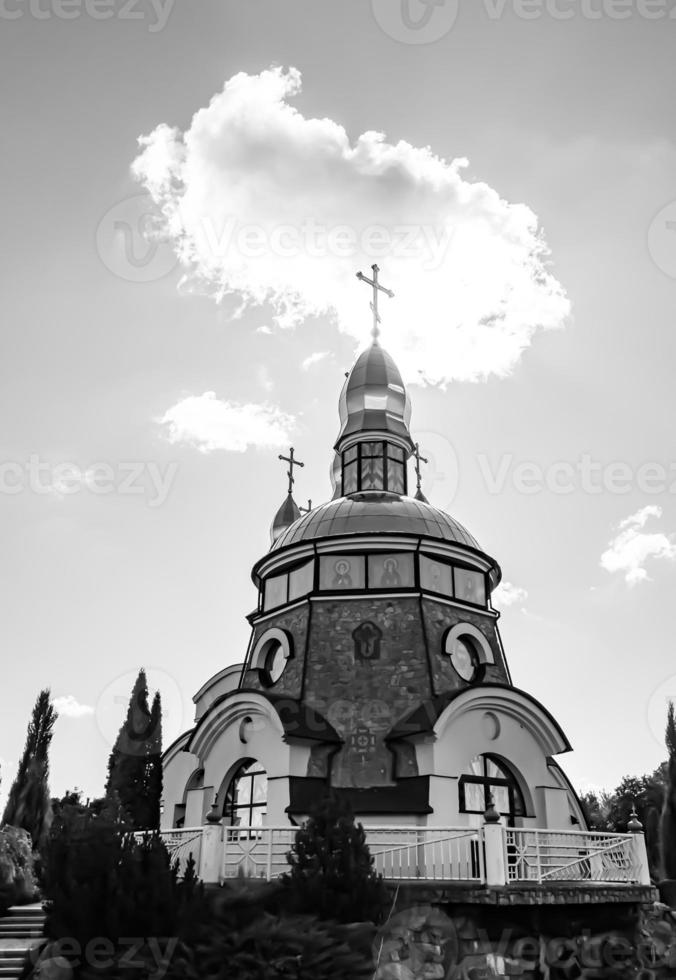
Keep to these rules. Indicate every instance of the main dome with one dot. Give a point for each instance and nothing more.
(376, 513)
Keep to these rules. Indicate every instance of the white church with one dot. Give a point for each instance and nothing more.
(375, 669)
(375, 665)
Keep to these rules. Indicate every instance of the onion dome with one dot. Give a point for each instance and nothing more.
(287, 514)
(374, 401)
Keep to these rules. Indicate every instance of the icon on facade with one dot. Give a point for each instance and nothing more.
(390, 576)
(342, 579)
(367, 638)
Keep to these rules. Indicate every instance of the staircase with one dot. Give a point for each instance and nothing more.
(21, 928)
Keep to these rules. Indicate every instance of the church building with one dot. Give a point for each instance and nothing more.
(375, 665)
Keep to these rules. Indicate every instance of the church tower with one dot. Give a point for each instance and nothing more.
(375, 665)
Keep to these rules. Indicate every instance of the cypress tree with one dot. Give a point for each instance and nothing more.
(668, 821)
(134, 784)
(29, 803)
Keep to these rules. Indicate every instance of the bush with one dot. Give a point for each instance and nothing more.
(100, 882)
(332, 874)
(240, 940)
(18, 885)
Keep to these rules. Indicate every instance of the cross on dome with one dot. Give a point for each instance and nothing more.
(292, 461)
(375, 330)
(419, 495)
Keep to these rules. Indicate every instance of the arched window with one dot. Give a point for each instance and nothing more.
(489, 777)
(246, 797)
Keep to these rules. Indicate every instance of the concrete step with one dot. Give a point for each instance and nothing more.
(11, 971)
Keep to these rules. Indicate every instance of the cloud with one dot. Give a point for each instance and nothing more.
(266, 205)
(507, 595)
(313, 359)
(69, 707)
(632, 547)
(207, 423)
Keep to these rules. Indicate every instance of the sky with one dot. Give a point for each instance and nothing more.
(189, 189)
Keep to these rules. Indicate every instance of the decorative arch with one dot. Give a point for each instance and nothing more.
(233, 709)
(510, 702)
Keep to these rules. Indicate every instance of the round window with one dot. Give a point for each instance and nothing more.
(275, 661)
(271, 654)
(464, 658)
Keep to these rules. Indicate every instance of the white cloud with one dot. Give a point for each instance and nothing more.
(272, 207)
(507, 595)
(313, 359)
(70, 707)
(208, 423)
(630, 550)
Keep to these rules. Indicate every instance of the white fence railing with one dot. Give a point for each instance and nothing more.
(258, 852)
(401, 853)
(490, 854)
(551, 855)
(181, 844)
(428, 853)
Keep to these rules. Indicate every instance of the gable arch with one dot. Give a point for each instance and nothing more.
(237, 709)
(509, 703)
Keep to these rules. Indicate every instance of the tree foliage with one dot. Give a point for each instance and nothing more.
(668, 818)
(243, 937)
(332, 874)
(134, 784)
(102, 882)
(17, 868)
(29, 805)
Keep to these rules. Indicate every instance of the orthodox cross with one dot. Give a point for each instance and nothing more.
(292, 461)
(418, 460)
(374, 303)
(306, 510)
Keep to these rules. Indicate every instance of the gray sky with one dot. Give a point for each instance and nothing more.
(572, 118)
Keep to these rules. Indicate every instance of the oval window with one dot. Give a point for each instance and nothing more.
(275, 661)
(464, 658)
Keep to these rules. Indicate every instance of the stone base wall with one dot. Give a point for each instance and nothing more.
(428, 942)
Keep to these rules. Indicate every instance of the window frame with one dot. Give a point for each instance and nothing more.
(517, 803)
(351, 465)
(230, 808)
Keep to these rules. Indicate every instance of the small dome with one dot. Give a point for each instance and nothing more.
(374, 398)
(287, 514)
(376, 513)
